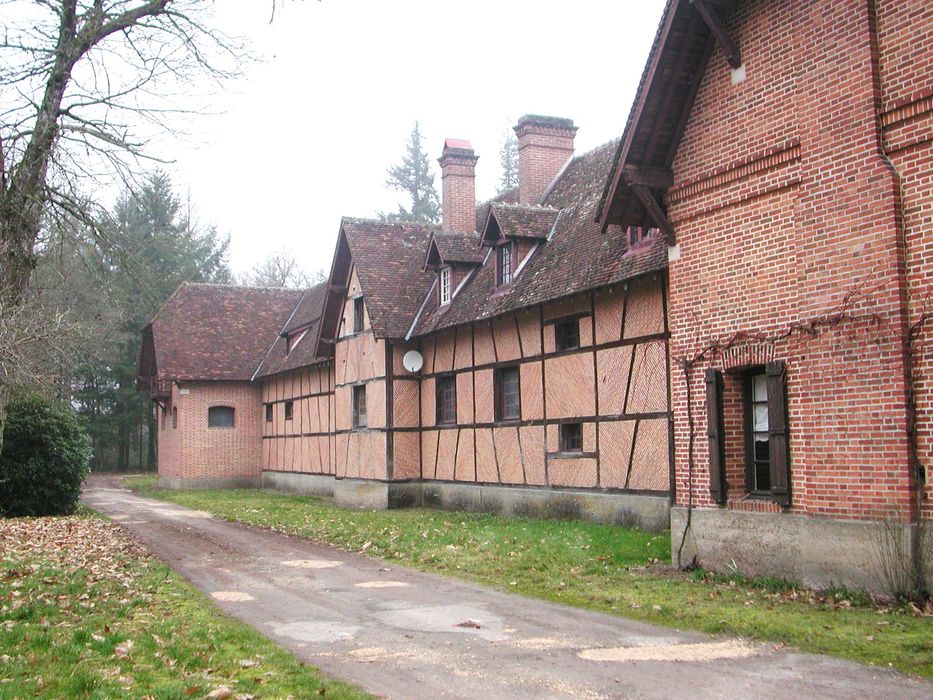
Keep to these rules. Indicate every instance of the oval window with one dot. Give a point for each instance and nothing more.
(220, 417)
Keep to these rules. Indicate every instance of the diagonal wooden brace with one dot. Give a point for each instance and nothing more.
(655, 212)
(715, 25)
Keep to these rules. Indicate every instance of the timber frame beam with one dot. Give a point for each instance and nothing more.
(729, 47)
(655, 212)
(656, 178)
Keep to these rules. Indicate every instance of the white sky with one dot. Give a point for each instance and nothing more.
(306, 135)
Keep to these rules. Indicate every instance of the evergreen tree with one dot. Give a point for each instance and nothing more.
(414, 177)
(113, 285)
(508, 159)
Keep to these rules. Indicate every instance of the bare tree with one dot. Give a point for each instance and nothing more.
(281, 269)
(84, 83)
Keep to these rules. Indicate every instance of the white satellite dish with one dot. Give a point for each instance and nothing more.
(412, 361)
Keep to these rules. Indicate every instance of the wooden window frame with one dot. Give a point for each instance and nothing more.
(270, 409)
(445, 278)
(499, 391)
(503, 271)
(358, 315)
(563, 326)
(748, 430)
(213, 411)
(570, 438)
(289, 410)
(440, 415)
(357, 401)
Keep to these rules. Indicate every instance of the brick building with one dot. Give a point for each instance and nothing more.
(719, 322)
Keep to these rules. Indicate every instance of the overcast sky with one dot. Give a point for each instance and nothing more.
(306, 135)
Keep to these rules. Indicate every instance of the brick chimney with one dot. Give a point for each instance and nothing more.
(458, 167)
(544, 145)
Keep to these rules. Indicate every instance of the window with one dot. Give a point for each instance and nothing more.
(174, 417)
(767, 452)
(269, 410)
(359, 406)
(505, 264)
(639, 234)
(220, 417)
(289, 410)
(446, 400)
(445, 285)
(567, 334)
(358, 314)
(508, 395)
(571, 437)
(164, 418)
(757, 433)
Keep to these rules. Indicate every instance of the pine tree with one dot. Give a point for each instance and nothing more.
(414, 177)
(508, 159)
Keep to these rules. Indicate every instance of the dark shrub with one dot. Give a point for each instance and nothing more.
(45, 457)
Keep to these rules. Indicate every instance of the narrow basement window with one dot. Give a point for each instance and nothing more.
(571, 437)
(220, 417)
(567, 334)
(358, 315)
(359, 406)
(269, 413)
(289, 409)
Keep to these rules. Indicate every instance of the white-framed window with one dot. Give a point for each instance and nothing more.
(445, 285)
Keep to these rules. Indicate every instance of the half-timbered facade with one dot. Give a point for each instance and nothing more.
(719, 322)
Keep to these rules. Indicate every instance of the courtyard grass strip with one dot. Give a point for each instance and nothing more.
(86, 613)
(600, 567)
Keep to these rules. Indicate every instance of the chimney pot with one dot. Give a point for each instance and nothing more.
(544, 145)
(458, 177)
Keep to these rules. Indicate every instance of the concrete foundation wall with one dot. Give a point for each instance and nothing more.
(165, 482)
(302, 484)
(816, 552)
(645, 512)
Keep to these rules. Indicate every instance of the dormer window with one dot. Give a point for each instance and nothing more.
(640, 234)
(504, 264)
(445, 285)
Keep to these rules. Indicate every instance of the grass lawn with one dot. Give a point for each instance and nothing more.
(85, 613)
(602, 567)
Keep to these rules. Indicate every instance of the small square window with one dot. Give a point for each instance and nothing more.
(445, 285)
(358, 314)
(289, 409)
(571, 437)
(508, 394)
(359, 406)
(446, 400)
(567, 334)
(268, 413)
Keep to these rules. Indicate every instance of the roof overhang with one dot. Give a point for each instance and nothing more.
(641, 174)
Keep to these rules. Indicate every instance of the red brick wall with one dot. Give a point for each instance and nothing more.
(783, 206)
(196, 451)
(905, 33)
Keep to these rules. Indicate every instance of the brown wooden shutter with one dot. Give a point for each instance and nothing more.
(716, 435)
(777, 429)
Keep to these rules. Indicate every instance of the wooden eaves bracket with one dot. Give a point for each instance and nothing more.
(729, 47)
(655, 212)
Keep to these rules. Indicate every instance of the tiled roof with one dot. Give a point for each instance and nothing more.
(389, 262)
(522, 220)
(578, 257)
(306, 320)
(456, 248)
(218, 332)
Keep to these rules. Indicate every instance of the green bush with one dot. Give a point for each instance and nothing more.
(46, 455)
